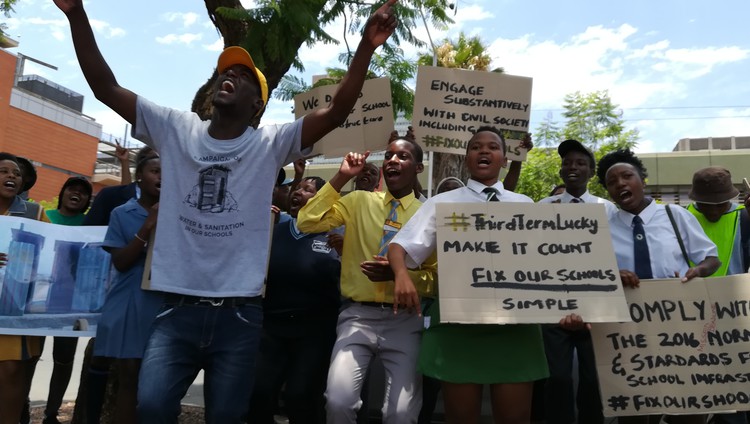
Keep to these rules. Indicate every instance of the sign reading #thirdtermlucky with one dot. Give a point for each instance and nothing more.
(368, 125)
(450, 104)
(526, 263)
(687, 350)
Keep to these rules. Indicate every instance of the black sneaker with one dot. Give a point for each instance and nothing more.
(50, 420)
(26, 412)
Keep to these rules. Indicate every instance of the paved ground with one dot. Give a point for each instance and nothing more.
(40, 385)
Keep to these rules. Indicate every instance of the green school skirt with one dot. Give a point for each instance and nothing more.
(482, 353)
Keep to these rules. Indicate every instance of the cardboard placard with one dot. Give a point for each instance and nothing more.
(450, 104)
(687, 350)
(368, 126)
(526, 263)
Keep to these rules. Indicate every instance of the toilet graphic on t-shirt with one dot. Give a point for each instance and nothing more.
(211, 194)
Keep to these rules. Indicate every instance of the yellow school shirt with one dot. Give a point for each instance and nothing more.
(364, 214)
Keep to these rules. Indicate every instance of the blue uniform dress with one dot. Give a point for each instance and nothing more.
(128, 311)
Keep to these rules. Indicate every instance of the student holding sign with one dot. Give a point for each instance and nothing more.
(464, 357)
(648, 242)
(367, 326)
(18, 354)
(578, 166)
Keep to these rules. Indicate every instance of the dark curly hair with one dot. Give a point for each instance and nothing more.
(416, 149)
(319, 182)
(492, 130)
(619, 156)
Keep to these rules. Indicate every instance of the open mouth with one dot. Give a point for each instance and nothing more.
(392, 172)
(295, 200)
(75, 198)
(625, 195)
(227, 86)
(10, 184)
(484, 161)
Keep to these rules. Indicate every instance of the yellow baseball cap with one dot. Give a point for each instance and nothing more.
(236, 55)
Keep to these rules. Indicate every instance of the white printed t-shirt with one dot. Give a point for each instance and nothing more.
(214, 223)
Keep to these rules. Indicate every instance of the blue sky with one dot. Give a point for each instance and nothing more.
(677, 68)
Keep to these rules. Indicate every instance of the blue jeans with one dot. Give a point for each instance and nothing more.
(223, 341)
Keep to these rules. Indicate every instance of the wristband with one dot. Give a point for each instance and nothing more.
(145, 242)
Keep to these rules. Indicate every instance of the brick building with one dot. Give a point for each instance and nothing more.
(43, 122)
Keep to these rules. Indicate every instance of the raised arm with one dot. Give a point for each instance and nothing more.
(352, 165)
(123, 155)
(327, 209)
(514, 170)
(98, 74)
(320, 122)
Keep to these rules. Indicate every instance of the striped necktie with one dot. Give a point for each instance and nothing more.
(388, 234)
(491, 193)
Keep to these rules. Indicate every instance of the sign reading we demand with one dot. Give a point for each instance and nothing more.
(526, 263)
(368, 125)
(450, 104)
(687, 350)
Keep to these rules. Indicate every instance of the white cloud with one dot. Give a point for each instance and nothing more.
(111, 122)
(650, 49)
(187, 19)
(216, 46)
(186, 38)
(58, 35)
(635, 72)
(107, 30)
(470, 13)
(46, 22)
(12, 24)
(320, 56)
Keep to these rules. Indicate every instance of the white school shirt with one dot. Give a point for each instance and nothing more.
(587, 197)
(664, 250)
(419, 235)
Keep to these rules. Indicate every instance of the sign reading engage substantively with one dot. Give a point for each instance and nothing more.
(450, 104)
(55, 279)
(526, 263)
(368, 126)
(687, 350)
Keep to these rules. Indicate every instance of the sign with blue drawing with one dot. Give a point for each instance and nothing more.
(54, 280)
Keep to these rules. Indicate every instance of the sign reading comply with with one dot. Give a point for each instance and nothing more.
(687, 350)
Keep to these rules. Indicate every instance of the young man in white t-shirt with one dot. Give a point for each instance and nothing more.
(211, 248)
